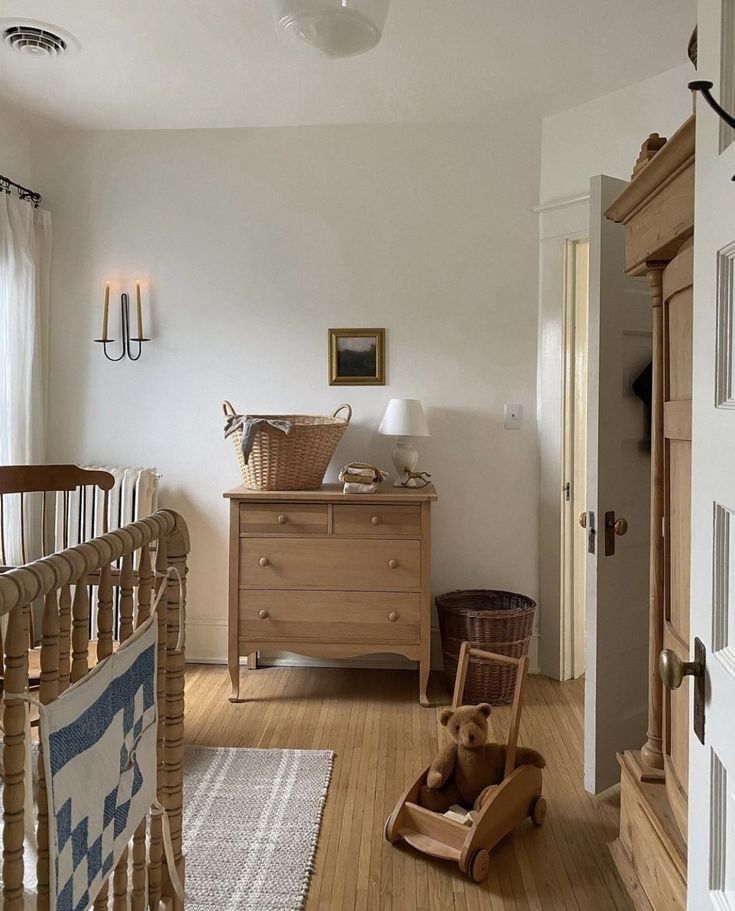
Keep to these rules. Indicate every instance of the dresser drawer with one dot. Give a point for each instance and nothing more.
(329, 616)
(377, 520)
(330, 563)
(283, 519)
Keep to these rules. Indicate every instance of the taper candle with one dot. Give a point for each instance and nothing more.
(106, 312)
(139, 309)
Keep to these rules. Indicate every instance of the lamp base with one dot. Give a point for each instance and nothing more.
(405, 458)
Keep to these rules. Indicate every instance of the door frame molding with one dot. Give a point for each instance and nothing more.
(558, 223)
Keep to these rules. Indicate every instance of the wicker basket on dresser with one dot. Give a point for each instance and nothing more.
(330, 575)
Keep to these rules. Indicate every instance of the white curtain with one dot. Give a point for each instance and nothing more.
(25, 254)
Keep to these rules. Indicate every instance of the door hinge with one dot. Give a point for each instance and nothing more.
(567, 491)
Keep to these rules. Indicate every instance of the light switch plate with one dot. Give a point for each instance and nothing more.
(513, 416)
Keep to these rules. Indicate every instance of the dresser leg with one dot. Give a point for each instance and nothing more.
(253, 661)
(424, 667)
(235, 680)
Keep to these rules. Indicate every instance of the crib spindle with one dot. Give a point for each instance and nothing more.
(64, 637)
(120, 877)
(48, 691)
(126, 597)
(14, 712)
(104, 649)
(145, 585)
(174, 733)
(104, 613)
(156, 847)
(80, 634)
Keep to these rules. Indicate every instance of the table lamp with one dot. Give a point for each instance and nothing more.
(404, 418)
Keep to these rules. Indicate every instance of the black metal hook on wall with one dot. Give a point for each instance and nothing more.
(705, 88)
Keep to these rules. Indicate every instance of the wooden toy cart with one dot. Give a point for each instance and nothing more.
(517, 796)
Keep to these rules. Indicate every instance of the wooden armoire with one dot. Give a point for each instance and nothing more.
(657, 209)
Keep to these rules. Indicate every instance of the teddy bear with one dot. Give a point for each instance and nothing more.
(468, 768)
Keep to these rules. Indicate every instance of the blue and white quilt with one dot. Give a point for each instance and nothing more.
(99, 748)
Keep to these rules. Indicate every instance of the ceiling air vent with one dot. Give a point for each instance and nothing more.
(36, 39)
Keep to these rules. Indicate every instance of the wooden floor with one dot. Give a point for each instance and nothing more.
(381, 738)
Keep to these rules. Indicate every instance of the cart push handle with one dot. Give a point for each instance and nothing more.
(465, 653)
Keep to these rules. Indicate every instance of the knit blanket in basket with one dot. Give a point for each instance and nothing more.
(249, 425)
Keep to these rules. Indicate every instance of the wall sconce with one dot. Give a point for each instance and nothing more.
(126, 340)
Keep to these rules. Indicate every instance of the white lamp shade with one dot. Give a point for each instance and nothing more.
(404, 418)
(332, 28)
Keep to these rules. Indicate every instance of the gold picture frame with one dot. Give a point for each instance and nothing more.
(353, 361)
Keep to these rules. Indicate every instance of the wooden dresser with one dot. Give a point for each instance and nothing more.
(330, 575)
(657, 210)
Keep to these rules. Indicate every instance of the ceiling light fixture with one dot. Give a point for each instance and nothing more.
(331, 28)
(36, 39)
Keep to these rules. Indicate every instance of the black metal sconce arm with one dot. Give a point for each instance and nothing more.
(705, 88)
(126, 348)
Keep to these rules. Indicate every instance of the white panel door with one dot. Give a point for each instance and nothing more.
(618, 487)
(711, 880)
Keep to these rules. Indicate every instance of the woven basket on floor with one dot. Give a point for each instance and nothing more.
(495, 621)
(297, 460)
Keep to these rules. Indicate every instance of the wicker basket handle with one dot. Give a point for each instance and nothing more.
(349, 411)
(227, 409)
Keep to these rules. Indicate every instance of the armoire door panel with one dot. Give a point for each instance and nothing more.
(678, 529)
(679, 343)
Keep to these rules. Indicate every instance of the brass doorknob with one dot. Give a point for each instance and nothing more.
(393, 564)
(282, 519)
(263, 561)
(621, 526)
(375, 520)
(392, 616)
(673, 670)
(583, 519)
(263, 614)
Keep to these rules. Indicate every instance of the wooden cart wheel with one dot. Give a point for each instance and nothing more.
(538, 811)
(480, 865)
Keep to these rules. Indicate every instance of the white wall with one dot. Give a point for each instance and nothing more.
(15, 148)
(601, 137)
(256, 242)
(604, 136)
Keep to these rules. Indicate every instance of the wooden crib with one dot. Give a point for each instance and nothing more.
(144, 551)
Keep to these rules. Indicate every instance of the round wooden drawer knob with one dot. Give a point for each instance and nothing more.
(392, 616)
(263, 614)
(282, 519)
(393, 564)
(264, 561)
(375, 520)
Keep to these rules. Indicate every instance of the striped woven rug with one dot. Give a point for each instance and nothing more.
(251, 824)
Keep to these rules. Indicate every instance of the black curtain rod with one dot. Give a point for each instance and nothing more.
(9, 186)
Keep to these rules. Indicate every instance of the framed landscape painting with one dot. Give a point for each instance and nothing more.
(357, 357)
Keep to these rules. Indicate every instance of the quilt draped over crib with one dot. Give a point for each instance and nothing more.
(99, 755)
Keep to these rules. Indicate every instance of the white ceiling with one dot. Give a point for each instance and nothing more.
(148, 64)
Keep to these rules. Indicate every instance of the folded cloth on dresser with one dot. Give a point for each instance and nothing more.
(359, 488)
(362, 473)
(249, 426)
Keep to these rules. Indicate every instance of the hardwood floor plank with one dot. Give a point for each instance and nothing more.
(382, 738)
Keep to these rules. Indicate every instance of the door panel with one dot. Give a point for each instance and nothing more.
(618, 478)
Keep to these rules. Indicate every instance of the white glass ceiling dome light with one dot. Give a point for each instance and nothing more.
(331, 28)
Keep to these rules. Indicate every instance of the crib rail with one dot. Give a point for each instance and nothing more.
(61, 580)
